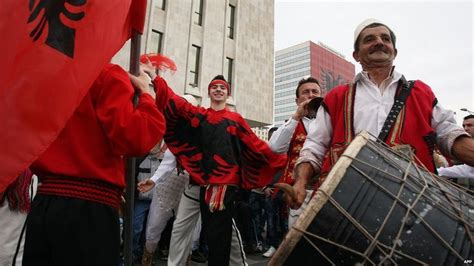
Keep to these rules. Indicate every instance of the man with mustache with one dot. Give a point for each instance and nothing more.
(366, 104)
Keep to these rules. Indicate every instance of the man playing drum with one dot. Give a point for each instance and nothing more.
(416, 119)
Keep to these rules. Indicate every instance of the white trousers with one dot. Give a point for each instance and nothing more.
(11, 225)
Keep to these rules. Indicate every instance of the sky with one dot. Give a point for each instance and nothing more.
(434, 38)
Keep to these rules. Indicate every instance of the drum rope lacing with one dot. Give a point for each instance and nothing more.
(424, 193)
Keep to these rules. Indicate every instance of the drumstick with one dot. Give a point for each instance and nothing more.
(289, 190)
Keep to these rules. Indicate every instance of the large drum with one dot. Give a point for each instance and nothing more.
(378, 207)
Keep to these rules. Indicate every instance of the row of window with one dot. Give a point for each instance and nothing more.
(285, 93)
(293, 60)
(286, 85)
(295, 52)
(281, 118)
(195, 51)
(194, 60)
(285, 109)
(292, 76)
(198, 9)
(285, 101)
(302, 65)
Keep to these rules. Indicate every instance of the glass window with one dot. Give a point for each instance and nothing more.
(229, 68)
(197, 12)
(161, 4)
(231, 21)
(194, 59)
(156, 42)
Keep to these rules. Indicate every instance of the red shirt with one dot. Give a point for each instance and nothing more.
(104, 128)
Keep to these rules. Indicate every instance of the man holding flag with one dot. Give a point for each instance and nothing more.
(70, 117)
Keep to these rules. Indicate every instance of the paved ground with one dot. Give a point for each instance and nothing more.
(252, 260)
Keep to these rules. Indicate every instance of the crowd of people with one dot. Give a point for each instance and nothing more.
(211, 178)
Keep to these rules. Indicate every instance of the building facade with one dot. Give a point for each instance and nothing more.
(301, 61)
(210, 37)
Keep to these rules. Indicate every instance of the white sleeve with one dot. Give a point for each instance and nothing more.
(280, 140)
(318, 140)
(447, 131)
(462, 171)
(167, 165)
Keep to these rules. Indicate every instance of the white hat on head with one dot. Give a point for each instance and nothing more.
(362, 26)
(190, 99)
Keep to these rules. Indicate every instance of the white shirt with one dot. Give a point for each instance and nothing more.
(371, 107)
(280, 140)
(459, 171)
(168, 164)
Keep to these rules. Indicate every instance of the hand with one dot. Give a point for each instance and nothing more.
(302, 110)
(142, 82)
(268, 191)
(296, 199)
(145, 185)
(149, 69)
(463, 149)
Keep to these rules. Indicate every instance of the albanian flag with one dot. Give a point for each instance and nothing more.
(52, 51)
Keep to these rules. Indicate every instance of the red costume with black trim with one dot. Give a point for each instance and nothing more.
(87, 156)
(413, 125)
(215, 147)
(296, 144)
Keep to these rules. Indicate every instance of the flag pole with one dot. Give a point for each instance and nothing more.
(130, 162)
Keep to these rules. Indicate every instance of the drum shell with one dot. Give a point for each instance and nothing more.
(368, 189)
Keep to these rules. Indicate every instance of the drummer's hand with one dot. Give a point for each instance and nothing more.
(302, 110)
(300, 191)
(145, 185)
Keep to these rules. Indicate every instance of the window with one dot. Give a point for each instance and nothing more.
(231, 21)
(197, 12)
(156, 42)
(161, 4)
(229, 68)
(194, 59)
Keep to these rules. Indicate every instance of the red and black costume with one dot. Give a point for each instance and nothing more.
(220, 152)
(82, 174)
(215, 147)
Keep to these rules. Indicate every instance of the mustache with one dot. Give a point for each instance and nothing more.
(377, 48)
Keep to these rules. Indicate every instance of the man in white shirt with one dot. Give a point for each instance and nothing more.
(346, 113)
(290, 136)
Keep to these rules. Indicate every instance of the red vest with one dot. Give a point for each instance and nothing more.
(296, 144)
(413, 125)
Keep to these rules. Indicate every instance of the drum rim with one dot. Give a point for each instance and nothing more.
(320, 199)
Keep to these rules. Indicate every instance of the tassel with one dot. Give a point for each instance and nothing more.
(17, 193)
(214, 197)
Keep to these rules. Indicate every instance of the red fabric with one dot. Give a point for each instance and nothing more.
(296, 144)
(416, 123)
(86, 189)
(18, 193)
(216, 147)
(44, 78)
(159, 61)
(104, 127)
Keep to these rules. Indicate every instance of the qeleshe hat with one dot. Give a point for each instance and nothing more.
(363, 25)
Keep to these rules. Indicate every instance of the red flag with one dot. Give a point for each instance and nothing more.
(52, 52)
